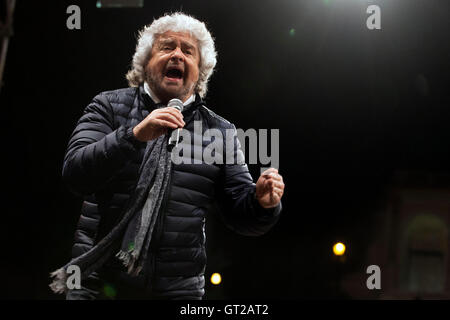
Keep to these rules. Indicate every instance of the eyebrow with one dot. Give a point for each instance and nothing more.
(171, 40)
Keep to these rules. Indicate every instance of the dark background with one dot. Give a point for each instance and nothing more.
(353, 107)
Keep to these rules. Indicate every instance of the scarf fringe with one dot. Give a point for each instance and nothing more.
(128, 260)
(125, 257)
(59, 283)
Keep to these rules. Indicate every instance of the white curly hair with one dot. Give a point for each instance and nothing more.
(177, 22)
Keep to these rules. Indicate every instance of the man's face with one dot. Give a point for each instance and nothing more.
(172, 71)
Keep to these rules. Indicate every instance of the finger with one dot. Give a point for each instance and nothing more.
(274, 176)
(170, 118)
(275, 198)
(273, 187)
(270, 184)
(272, 191)
(268, 171)
(175, 112)
(278, 191)
(266, 185)
(278, 184)
(274, 183)
(168, 124)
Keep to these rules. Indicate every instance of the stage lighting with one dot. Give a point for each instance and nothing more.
(216, 278)
(109, 291)
(339, 249)
(120, 3)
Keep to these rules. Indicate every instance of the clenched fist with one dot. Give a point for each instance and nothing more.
(157, 123)
(269, 188)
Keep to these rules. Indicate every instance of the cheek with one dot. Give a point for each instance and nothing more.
(195, 77)
(154, 66)
(194, 73)
(149, 68)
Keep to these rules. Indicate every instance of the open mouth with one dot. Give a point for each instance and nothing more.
(174, 73)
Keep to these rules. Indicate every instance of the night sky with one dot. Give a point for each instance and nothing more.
(353, 107)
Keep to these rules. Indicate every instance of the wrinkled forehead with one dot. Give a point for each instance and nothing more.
(184, 37)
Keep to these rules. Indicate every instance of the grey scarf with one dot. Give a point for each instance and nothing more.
(134, 231)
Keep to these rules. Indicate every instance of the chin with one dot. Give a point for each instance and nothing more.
(171, 93)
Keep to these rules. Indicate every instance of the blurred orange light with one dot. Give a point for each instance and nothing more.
(216, 278)
(339, 249)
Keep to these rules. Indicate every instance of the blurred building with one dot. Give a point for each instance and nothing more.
(410, 242)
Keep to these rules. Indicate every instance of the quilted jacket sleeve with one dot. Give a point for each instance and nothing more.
(96, 150)
(239, 208)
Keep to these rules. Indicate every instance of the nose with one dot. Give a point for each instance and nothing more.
(177, 55)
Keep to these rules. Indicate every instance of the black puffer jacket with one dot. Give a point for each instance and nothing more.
(101, 164)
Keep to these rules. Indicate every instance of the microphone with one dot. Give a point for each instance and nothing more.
(175, 134)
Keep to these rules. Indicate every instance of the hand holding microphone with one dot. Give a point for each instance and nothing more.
(159, 121)
(175, 134)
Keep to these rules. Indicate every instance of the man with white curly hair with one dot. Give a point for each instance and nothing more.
(141, 233)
